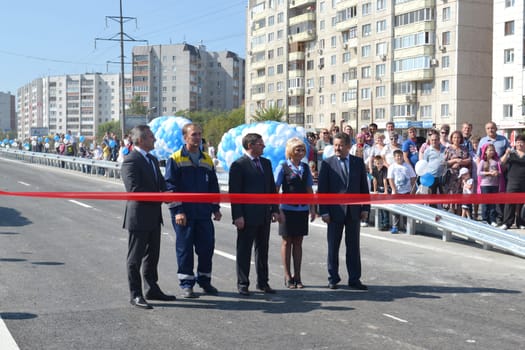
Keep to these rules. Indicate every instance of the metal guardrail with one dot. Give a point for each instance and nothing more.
(420, 218)
(84, 165)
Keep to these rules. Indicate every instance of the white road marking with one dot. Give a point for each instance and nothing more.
(80, 203)
(23, 183)
(395, 318)
(224, 254)
(6, 339)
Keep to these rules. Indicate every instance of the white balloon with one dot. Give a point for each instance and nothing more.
(421, 167)
(328, 151)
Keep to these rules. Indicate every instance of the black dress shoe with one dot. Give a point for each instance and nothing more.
(209, 289)
(357, 285)
(244, 291)
(140, 303)
(159, 295)
(266, 289)
(333, 285)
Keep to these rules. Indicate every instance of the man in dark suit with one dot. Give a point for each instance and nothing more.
(252, 174)
(141, 173)
(343, 173)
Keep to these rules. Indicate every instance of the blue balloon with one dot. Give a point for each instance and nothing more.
(274, 134)
(168, 135)
(57, 137)
(67, 137)
(46, 139)
(81, 138)
(427, 180)
(125, 151)
(112, 144)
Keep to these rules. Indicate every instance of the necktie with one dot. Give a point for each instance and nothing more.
(152, 163)
(258, 164)
(345, 168)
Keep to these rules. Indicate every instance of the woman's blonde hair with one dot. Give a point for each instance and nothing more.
(292, 144)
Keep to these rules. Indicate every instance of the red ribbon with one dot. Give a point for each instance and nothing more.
(252, 198)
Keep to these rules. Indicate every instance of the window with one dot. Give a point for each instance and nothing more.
(333, 41)
(381, 26)
(271, 71)
(352, 33)
(321, 100)
(346, 57)
(509, 28)
(425, 111)
(380, 70)
(381, 5)
(279, 69)
(507, 111)
(426, 88)
(445, 61)
(365, 93)
(271, 21)
(445, 38)
(365, 51)
(365, 72)
(321, 25)
(279, 86)
(509, 3)
(446, 14)
(444, 110)
(508, 83)
(508, 56)
(380, 91)
(333, 99)
(445, 86)
(280, 51)
(380, 114)
(366, 9)
(280, 17)
(332, 79)
(366, 30)
(365, 114)
(271, 36)
(333, 60)
(381, 49)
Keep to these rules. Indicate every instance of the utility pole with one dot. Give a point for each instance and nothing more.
(122, 37)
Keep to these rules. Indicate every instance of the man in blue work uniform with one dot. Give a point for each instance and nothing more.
(191, 170)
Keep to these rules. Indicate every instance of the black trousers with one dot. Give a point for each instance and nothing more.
(143, 250)
(257, 236)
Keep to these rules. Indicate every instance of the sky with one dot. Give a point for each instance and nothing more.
(57, 37)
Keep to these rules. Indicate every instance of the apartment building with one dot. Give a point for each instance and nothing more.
(414, 62)
(184, 77)
(508, 95)
(76, 102)
(7, 112)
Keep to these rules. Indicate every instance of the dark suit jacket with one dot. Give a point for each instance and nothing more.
(138, 176)
(246, 178)
(331, 180)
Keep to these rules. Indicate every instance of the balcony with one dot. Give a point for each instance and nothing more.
(296, 91)
(306, 35)
(298, 3)
(297, 55)
(347, 24)
(305, 17)
(414, 5)
(297, 109)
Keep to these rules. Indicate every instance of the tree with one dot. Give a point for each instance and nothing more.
(136, 107)
(216, 127)
(271, 113)
(111, 126)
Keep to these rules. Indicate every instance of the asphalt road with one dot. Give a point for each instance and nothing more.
(63, 286)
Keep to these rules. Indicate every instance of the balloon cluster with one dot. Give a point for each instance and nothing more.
(424, 170)
(274, 134)
(168, 132)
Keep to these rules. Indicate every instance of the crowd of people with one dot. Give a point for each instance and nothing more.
(460, 162)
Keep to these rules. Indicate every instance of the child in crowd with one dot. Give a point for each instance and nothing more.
(380, 185)
(402, 179)
(468, 185)
(489, 171)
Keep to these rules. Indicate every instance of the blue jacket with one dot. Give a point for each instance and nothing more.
(185, 177)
